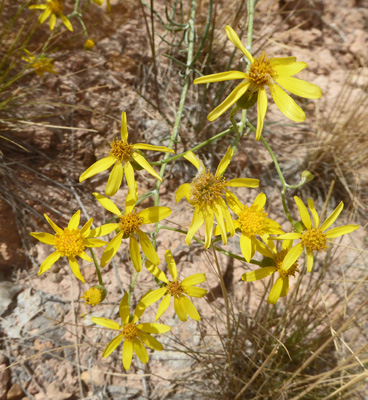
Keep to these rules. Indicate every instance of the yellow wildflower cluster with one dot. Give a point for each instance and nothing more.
(212, 202)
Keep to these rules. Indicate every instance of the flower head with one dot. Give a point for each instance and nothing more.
(253, 221)
(89, 44)
(179, 290)
(314, 237)
(40, 65)
(135, 335)
(129, 227)
(122, 154)
(274, 260)
(263, 72)
(55, 9)
(206, 193)
(69, 242)
(99, 2)
(94, 295)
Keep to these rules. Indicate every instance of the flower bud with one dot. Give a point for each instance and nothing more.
(89, 44)
(94, 295)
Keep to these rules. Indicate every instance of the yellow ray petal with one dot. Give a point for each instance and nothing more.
(106, 323)
(111, 249)
(153, 296)
(258, 274)
(276, 291)
(129, 176)
(309, 260)
(208, 227)
(103, 230)
(194, 291)
(197, 222)
(225, 161)
(52, 224)
(115, 180)
(194, 279)
(233, 97)
(153, 328)
(85, 257)
(147, 247)
(183, 191)
(190, 308)
(154, 214)
(135, 253)
(155, 271)
(145, 164)
(85, 231)
(97, 167)
(124, 308)
(292, 255)
(66, 22)
(332, 218)
(341, 230)
(127, 354)
(314, 212)
(282, 61)
(131, 199)
(112, 346)
(265, 250)
(243, 182)
(234, 39)
(217, 210)
(52, 22)
(150, 341)
(107, 204)
(75, 269)
(124, 127)
(38, 7)
(234, 203)
(261, 111)
(43, 17)
(140, 350)
(286, 104)
(246, 247)
(74, 220)
(171, 264)
(163, 306)
(289, 69)
(289, 236)
(285, 286)
(49, 262)
(180, 309)
(145, 146)
(299, 87)
(222, 76)
(194, 160)
(260, 200)
(303, 212)
(92, 242)
(44, 237)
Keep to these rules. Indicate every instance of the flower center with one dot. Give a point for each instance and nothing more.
(130, 331)
(70, 242)
(130, 223)
(93, 296)
(175, 288)
(278, 261)
(253, 221)
(207, 189)
(261, 72)
(314, 239)
(121, 150)
(56, 7)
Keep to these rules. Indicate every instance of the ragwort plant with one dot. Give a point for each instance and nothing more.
(211, 201)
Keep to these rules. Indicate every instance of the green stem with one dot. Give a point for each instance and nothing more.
(131, 287)
(100, 281)
(175, 132)
(193, 149)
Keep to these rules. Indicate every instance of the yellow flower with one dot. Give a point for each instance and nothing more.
(264, 72)
(94, 295)
(129, 226)
(134, 335)
(99, 2)
(252, 221)
(55, 9)
(122, 154)
(69, 242)
(206, 193)
(179, 290)
(273, 263)
(39, 64)
(313, 238)
(89, 44)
